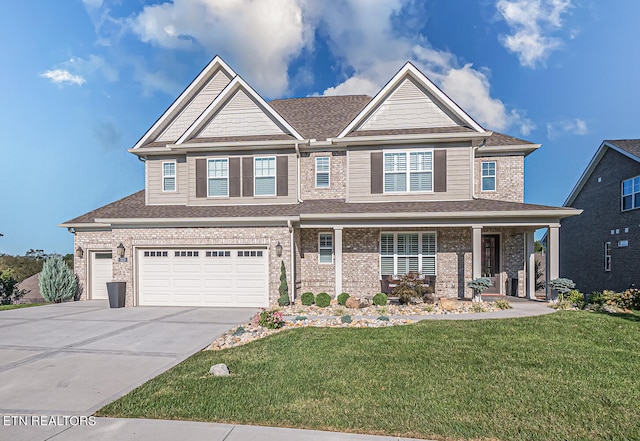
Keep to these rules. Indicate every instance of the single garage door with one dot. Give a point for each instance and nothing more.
(101, 272)
(203, 277)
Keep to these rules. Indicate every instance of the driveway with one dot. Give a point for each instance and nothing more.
(73, 358)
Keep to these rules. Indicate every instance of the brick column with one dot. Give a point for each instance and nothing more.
(337, 250)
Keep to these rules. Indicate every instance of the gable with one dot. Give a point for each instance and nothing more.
(409, 106)
(195, 108)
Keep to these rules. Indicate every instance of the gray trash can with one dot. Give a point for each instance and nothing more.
(117, 292)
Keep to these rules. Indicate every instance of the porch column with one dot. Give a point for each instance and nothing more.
(337, 247)
(553, 255)
(530, 265)
(477, 251)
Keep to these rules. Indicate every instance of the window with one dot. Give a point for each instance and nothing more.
(218, 177)
(186, 254)
(168, 176)
(631, 193)
(623, 243)
(322, 172)
(218, 253)
(156, 254)
(607, 256)
(489, 176)
(252, 253)
(401, 253)
(265, 176)
(325, 248)
(417, 177)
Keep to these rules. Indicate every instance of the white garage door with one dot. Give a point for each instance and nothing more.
(101, 272)
(203, 277)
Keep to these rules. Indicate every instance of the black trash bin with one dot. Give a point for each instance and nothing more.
(117, 292)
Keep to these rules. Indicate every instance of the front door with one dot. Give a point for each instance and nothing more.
(491, 261)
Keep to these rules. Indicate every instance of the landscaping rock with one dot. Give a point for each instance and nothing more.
(353, 302)
(364, 303)
(219, 370)
(448, 304)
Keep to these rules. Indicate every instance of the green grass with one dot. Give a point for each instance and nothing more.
(565, 376)
(21, 305)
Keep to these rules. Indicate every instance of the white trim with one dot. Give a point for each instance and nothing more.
(326, 233)
(420, 255)
(410, 70)
(328, 172)
(275, 176)
(208, 178)
(407, 172)
(495, 176)
(174, 176)
(607, 263)
(409, 138)
(632, 195)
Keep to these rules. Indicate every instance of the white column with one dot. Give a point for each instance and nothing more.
(530, 258)
(477, 251)
(553, 254)
(337, 247)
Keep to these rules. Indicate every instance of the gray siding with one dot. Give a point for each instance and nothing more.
(458, 172)
(154, 193)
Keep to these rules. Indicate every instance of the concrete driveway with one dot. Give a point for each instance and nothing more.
(73, 358)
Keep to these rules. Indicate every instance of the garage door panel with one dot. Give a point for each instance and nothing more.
(205, 278)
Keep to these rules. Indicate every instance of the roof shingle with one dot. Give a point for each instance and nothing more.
(629, 145)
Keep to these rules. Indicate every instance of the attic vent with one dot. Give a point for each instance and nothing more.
(599, 179)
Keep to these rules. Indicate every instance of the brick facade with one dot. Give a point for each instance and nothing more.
(509, 178)
(337, 176)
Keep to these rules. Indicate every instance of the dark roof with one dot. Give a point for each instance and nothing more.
(133, 207)
(320, 117)
(499, 139)
(629, 145)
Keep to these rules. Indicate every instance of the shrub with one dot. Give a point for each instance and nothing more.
(339, 311)
(595, 298)
(562, 285)
(380, 299)
(383, 318)
(562, 304)
(342, 298)
(300, 318)
(323, 300)
(239, 331)
(346, 319)
(629, 299)
(502, 304)
(57, 282)
(477, 307)
(283, 289)
(409, 287)
(307, 298)
(478, 286)
(428, 308)
(271, 319)
(9, 292)
(575, 298)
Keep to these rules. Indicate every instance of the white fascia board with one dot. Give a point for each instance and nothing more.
(221, 99)
(197, 221)
(462, 223)
(410, 69)
(403, 139)
(508, 149)
(86, 226)
(215, 64)
(532, 214)
(236, 145)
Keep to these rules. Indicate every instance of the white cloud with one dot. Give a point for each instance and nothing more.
(575, 126)
(530, 22)
(62, 76)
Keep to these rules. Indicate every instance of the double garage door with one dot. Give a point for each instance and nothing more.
(203, 277)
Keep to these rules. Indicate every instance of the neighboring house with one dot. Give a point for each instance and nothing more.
(600, 249)
(344, 190)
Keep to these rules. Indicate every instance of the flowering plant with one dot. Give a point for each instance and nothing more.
(271, 319)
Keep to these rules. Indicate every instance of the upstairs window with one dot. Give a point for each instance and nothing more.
(325, 247)
(607, 256)
(168, 176)
(489, 176)
(218, 177)
(631, 193)
(417, 177)
(322, 172)
(265, 176)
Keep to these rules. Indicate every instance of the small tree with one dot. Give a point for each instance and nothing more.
(283, 289)
(57, 282)
(478, 286)
(9, 292)
(562, 285)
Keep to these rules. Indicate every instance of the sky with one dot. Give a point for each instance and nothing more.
(81, 81)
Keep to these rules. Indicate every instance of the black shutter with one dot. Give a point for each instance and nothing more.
(201, 178)
(234, 177)
(377, 174)
(282, 175)
(247, 176)
(440, 171)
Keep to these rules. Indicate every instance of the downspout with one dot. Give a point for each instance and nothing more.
(292, 291)
(297, 147)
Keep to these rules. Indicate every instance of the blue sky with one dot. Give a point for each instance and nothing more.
(82, 81)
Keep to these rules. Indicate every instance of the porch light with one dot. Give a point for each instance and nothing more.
(279, 250)
(120, 250)
(79, 252)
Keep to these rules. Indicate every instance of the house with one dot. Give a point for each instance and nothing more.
(600, 249)
(345, 190)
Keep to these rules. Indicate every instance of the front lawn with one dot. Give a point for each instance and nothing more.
(568, 375)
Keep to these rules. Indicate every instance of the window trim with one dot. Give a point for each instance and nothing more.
(275, 176)
(320, 234)
(174, 176)
(421, 255)
(607, 256)
(495, 176)
(209, 195)
(328, 172)
(407, 172)
(632, 194)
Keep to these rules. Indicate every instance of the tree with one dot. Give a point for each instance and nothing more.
(478, 286)
(561, 285)
(9, 292)
(36, 254)
(57, 282)
(283, 289)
